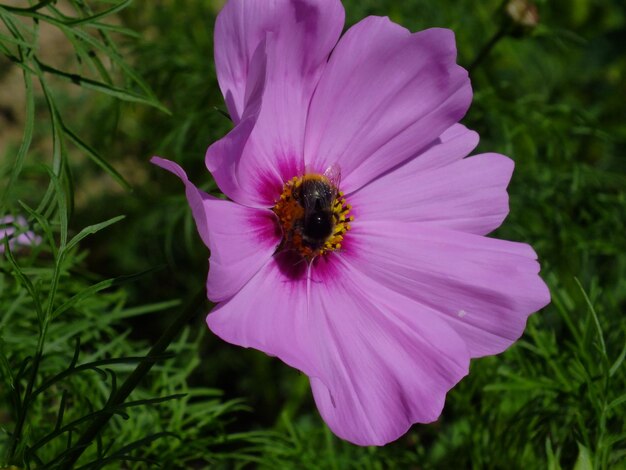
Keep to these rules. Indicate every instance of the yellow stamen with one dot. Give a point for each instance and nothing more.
(291, 215)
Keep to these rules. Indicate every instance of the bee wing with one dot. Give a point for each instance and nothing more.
(333, 173)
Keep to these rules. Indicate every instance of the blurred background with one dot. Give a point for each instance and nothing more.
(91, 89)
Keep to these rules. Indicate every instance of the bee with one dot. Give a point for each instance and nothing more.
(317, 195)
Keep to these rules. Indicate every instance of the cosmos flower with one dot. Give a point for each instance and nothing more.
(353, 245)
(15, 229)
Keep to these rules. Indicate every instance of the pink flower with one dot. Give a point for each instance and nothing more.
(353, 247)
(15, 229)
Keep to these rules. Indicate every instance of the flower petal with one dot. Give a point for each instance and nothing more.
(270, 314)
(292, 45)
(483, 287)
(223, 157)
(455, 143)
(377, 364)
(467, 195)
(385, 95)
(241, 239)
(305, 31)
(387, 362)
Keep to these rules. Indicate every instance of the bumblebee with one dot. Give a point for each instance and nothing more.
(317, 195)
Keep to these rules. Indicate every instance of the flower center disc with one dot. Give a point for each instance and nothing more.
(313, 215)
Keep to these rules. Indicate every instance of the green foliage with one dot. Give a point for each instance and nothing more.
(68, 339)
(79, 313)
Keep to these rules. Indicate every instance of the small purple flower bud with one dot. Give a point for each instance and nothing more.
(15, 230)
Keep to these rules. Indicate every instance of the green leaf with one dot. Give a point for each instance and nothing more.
(107, 89)
(13, 40)
(617, 402)
(92, 229)
(95, 156)
(35, 7)
(618, 362)
(584, 461)
(100, 286)
(94, 366)
(151, 401)
(92, 19)
(553, 460)
(32, 290)
(592, 310)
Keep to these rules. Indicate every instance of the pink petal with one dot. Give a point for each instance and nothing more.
(27, 239)
(387, 362)
(6, 232)
(224, 156)
(377, 363)
(305, 32)
(252, 162)
(14, 229)
(455, 143)
(385, 96)
(241, 239)
(285, 46)
(270, 314)
(483, 287)
(467, 195)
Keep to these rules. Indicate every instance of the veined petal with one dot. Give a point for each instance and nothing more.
(377, 363)
(387, 362)
(453, 144)
(252, 162)
(385, 96)
(270, 313)
(305, 31)
(265, 149)
(224, 156)
(241, 239)
(482, 287)
(468, 194)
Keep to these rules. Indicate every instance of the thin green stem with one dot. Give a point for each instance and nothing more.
(23, 412)
(34, 8)
(133, 380)
(486, 49)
